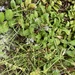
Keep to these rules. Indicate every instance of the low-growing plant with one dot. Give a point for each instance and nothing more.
(49, 41)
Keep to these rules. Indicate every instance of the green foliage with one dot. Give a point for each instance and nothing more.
(71, 53)
(8, 14)
(45, 39)
(13, 4)
(4, 27)
(72, 42)
(27, 2)
(1, 17)
(56, 72)
(11, 23)
(32, 6)
(18, 1)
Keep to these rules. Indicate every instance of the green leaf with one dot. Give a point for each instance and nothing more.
(56, 22)
(36, 47)
(35, 14)
(1, 17)
(49, 8)
(42, 8)
(57, 41)
(49, 56)
(24, 32)
(27, 2)
(31, 29)
(66, 31)
(59, 2)
(21, 21)
(46, 38)
(32, 6)
(38, 21)
(4, 28)
(8, 14)
(53, 14)
(36, 72)
(11, 23)
(72, 42)
(44, 44)
(70, 53)
(18, 1)
(56, 7)
(44, 1)
(38, 37)
(46, 17)
(56, 72)
(13, 4)
(64, 41)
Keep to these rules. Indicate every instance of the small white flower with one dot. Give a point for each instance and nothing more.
(36, 19)
(27, 41)
(2, 8)
(36, 44)
(46, 28)
(31, 39)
